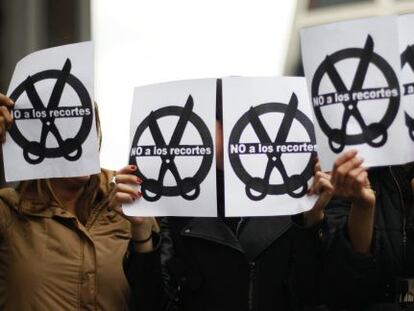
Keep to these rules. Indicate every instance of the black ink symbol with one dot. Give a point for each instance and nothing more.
(35, 152)
(189, 187)
(407, 57)
(291, 184)
(375, 134)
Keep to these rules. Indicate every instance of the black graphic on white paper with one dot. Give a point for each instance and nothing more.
(294, 185)
(407, 57)
(374, 134)
(35, 152)
(188, 187)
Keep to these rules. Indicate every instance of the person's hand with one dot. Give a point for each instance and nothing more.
(350, 180)
(321, 186)
(126, 191)
(6, 118)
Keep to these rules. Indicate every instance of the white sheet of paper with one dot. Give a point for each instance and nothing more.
(257, 107)
(406, 47)
(161, 108)
(370, 98)
(69, 146)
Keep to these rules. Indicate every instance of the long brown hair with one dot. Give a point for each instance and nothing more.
(42, 191)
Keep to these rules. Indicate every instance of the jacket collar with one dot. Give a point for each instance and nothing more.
(211, 229)
(260, 232)
(257, 235)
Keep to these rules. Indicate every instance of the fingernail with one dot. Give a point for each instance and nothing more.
(138, 180)
(133, 167)
(139, 194)
(11, 102)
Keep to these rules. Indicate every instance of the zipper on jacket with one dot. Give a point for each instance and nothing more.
(252, 279)
(174, 299)
(404, 221)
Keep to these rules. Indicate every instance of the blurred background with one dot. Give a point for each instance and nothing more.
(139, 42)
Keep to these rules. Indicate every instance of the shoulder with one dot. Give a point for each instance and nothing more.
(9, 200)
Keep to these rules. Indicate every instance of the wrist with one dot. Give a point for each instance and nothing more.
(366, 201)
(142, 241)
(142, 245)
(313, 217)
(139, 234)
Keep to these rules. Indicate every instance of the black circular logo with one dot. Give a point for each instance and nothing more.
(188, 187)
(374, 134)
(294, 185)
(407, 58)
(35, 152)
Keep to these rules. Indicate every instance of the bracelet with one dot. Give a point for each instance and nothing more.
(142, 241)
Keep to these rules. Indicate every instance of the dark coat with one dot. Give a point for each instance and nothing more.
(375, 282)
(199, 264)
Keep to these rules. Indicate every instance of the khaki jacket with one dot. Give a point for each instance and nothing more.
(50, 261)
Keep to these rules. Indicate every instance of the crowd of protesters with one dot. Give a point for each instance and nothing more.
(66, 245)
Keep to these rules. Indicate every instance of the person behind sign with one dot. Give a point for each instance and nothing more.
(216, 263)
(61, 245)
(368, 260)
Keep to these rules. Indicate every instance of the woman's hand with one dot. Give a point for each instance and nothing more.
(125, 192)
(321, 186)
(6, 119)
(350, 180)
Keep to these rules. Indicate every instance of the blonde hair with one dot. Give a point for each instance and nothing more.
(41, 189)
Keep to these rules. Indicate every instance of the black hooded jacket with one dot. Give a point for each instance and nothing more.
(214, 264)
(353, 281)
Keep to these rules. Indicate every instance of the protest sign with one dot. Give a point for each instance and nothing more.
(352, 70)
(54, 132)
(172, 143)
(406, 48)
(269, 146)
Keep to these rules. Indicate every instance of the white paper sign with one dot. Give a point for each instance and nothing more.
(54, 131)
(172, 143)
(352, 70)
(269, 146)
(406, 38)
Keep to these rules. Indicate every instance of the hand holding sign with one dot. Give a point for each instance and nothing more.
(125, 191)
(6, 119)
(350, 179)
(322, 187)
